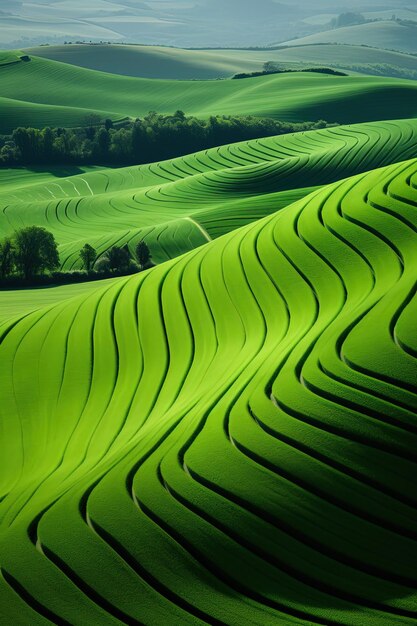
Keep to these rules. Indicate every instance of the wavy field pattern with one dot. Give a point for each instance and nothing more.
(181, 204)
(228, 438)
(177, 63)
(41, 93)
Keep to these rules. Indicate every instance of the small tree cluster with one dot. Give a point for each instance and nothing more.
(117, 259)
(32, 251)
(271, 68)
(29, 252)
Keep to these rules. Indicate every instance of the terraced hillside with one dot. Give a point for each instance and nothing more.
(227, 438)
(176, 63)
(41, 92)
(179, 205)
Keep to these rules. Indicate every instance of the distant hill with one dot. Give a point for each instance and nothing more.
(48, 93)
(177, 63)
(181, 23)
(151, 61)
(389, 34)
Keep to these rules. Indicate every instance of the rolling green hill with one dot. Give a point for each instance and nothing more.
(42, 92)
(227, 438)
(150, 61)
(179, 205)
(7, 57)
(16, 303)
(393, 35)
(175, 63)
(13, 179)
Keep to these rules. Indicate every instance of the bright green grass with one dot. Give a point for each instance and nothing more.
(162, 62)
(18, 177)
(227, 438)
(385, 34)
(19, 302)
(15, 113)
(179, 205)
(47, 92)
(7, 57)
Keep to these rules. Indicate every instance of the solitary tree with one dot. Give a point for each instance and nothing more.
(143, 254)
(7, 257)
(119, 258)
(36, 251)
(88, 256)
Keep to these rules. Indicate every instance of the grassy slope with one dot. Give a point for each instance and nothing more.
(148, 61)
(175, 63)
(181, 204)
(20, 302)
(391, 35)
(19, 177)
(229, 437)
(7, 57)
(44, 91)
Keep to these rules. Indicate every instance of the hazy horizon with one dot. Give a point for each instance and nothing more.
(195, 23)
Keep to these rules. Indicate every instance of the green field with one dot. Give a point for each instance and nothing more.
(228, 437)
(179, 205)
(16, 303)
(154, 61)
(175, 63)
(18, 177)
(388, 34)
(225, 439)
(42, 92)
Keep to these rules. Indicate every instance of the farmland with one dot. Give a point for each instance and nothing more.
(40, 93)
(179, 64)
(181, 204)
(190, 414)
(220, 429)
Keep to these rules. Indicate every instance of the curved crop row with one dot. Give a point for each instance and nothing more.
(180, 204)
(227, 438)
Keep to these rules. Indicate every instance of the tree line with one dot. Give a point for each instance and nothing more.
(270, 67)
(153, 138)
(30, 256)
